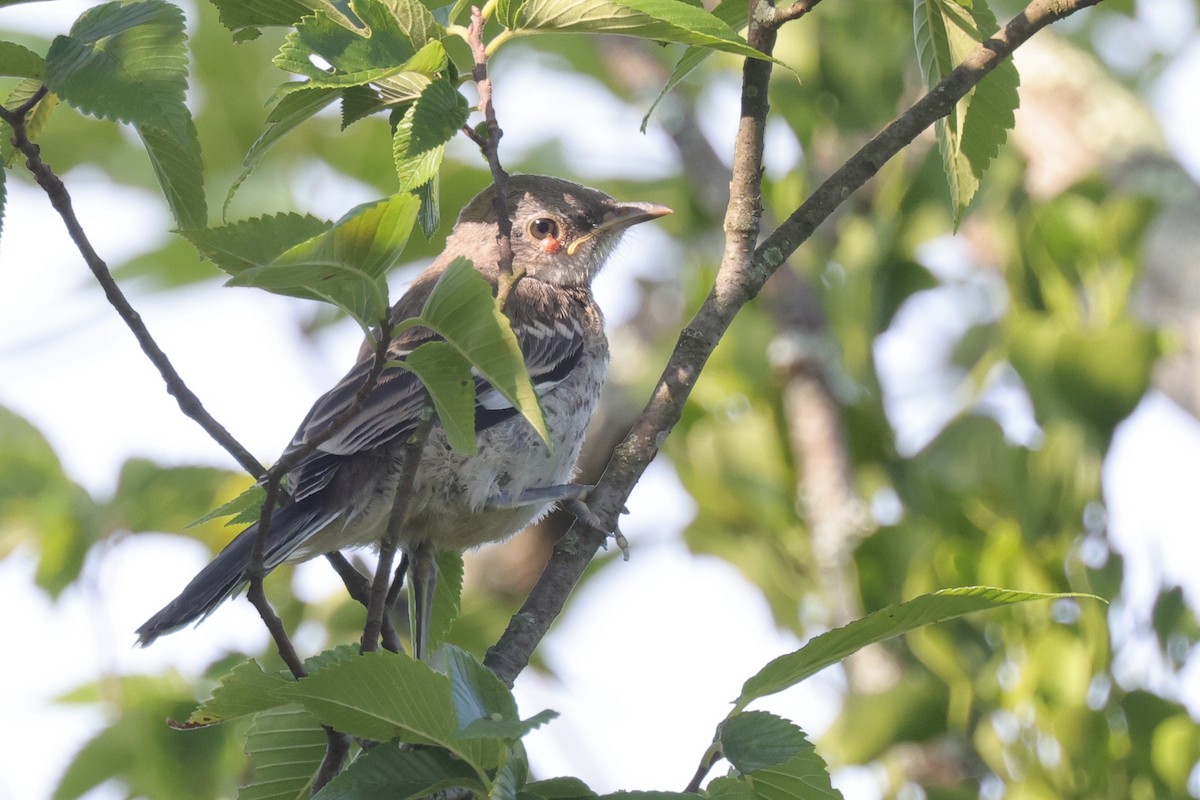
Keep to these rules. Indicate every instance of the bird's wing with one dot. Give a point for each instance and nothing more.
(392, 408)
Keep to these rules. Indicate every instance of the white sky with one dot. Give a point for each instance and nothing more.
(629, 649)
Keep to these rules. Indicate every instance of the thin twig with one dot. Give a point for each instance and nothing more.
(735, 287)
(337, 747)
(380, 586)
(509, 273)
(60, 199)
(792, 11)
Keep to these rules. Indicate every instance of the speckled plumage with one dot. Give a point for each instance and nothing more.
(342, 492)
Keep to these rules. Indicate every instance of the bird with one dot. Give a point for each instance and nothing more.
(340, 494)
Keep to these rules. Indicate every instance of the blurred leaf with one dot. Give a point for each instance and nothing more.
(446, 373)
(835, 645)
(35, 120)
(20, 62)
(286, 747)
(151, 497)
(41, 507)
(150, 759)
(244, 17)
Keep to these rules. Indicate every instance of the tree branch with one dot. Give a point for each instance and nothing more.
(60, 199)
(738, 281)
(490, 146)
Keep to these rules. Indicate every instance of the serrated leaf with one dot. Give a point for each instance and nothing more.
(971, 135)
(255, 242)
(124, 62)
(285, 746)
(446, 373)
(805, 777)
(416, 21)
(348, 51)
(243, 509)
(430, 217)
(387, 771)
(835, 645)
(564, 788)
(733, 13)
(175, 156)
(292, 109)
(753, 740)
(507, 729)
(422, 133)
(346, 264)
(661, 20)
(327, 658)
(35, 120)
(462, 310)
(447, 592)
(729, 788)
(245, 690)
(510, 777)
(476, 691)
(20, 62)
(381, 696)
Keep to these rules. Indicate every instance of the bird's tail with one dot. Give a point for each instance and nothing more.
(291, 525)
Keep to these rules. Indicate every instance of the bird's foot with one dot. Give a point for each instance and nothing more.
(573, 498)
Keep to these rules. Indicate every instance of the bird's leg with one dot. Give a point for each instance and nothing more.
(572, 497)
(422, 575)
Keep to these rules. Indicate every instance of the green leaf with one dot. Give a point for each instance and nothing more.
(20, 62)
(123, 61)
(35, 120)
(292, 109)
(753, 740)
(462, 310)
(805, 777)
(245, 690)
(423, 131)
(245, 17)
(446, 373)
(447, 593)
(241, 246)
(348, 51)
(346, 264)
(379, 695)
(510, 777)
(661, 20)
(971, 135)
(243, 509)
(560, 788)
(475, 689)
(833, 646)
(285, 746)
(387, 771)
(733, 13)
(175, 156)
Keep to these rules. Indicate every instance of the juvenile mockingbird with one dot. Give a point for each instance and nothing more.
(341, 494)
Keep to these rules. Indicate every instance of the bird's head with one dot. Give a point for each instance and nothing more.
(562, 233)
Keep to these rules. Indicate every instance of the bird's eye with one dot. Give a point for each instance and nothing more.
(543, 228)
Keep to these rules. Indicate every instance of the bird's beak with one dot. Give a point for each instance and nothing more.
(622, 216)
